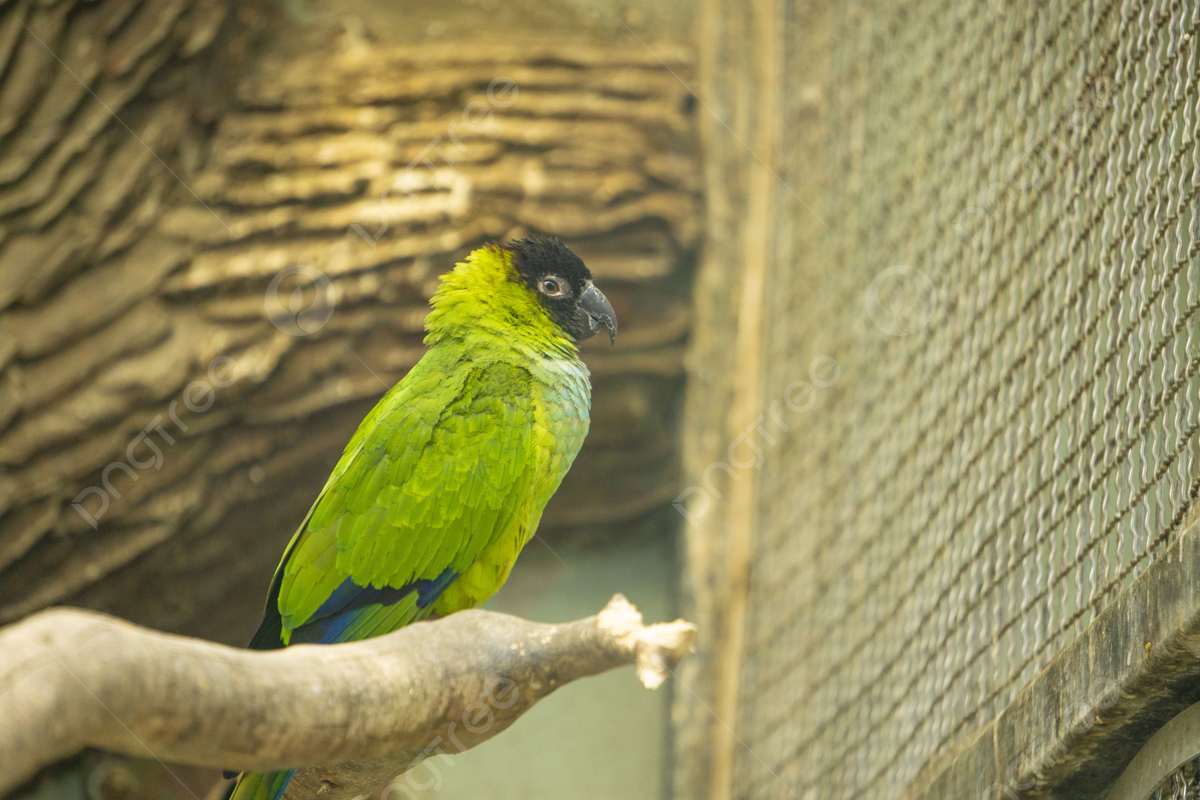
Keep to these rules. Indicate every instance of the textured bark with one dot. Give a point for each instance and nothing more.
(136, 274)
(356, 715)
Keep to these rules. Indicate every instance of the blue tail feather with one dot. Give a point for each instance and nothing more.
(353, 612)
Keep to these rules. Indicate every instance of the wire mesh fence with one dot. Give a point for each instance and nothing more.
(1009, 279)
(1182, 784)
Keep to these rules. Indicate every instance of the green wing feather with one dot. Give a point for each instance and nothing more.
(433, 476)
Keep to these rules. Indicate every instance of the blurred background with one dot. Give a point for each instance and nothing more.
(902, 412)
(222, 226)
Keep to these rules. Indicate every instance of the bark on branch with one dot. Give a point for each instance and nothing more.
(353, 716)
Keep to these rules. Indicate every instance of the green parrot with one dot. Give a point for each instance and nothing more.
(445, 480)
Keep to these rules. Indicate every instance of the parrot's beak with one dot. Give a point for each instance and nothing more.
(599, 312)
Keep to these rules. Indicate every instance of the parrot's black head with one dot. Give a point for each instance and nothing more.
(563, 284)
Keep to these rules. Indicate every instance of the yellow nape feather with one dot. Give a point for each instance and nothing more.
(485, 301)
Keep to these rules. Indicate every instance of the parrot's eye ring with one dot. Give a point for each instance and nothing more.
(551, 286)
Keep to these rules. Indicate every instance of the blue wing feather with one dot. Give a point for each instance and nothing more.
(353, 612)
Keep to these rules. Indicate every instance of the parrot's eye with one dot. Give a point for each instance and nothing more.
(551, 286)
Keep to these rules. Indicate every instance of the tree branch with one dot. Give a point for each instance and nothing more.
(353, 715)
